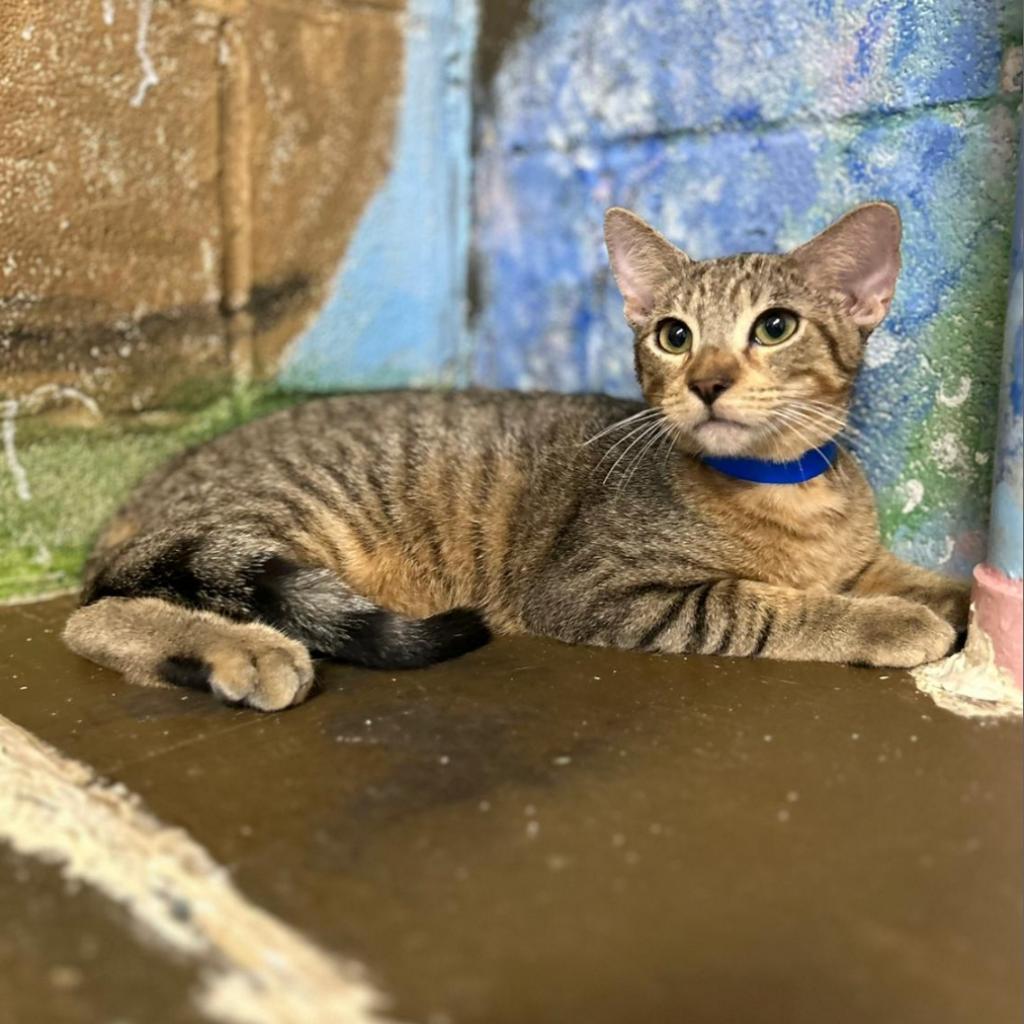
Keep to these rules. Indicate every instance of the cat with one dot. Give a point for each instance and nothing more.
(397, 529)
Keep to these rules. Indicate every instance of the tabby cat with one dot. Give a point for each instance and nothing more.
(397, 529)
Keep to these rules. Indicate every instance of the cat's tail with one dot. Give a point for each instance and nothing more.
(245, 625)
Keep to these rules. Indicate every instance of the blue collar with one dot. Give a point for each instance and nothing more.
(761, 471)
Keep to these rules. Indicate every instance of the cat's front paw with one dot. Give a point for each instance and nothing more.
(894, 633)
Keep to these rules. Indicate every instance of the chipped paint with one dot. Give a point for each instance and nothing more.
(971, 683)
(255, 968)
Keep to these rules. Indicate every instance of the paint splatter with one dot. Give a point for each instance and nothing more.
(955, 400)
(915, 492)
(33, 402)
(149, 76)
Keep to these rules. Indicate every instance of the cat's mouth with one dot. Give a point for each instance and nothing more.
(719, 435)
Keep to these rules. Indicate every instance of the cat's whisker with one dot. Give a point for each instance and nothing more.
(829, 412)
(797, 428)
(647, 429)
(674, 433)
(811, 405)
(830, 422)
(652, 429)
(660, 435)
(638, 428)
(816, 421)
(814, 408)
(643, 413)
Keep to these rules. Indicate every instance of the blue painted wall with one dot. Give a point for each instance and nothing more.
(730, 124)
(397, 311)
(750, 124)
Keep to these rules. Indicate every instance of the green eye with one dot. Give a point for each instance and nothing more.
(674, 337)
(775, 327)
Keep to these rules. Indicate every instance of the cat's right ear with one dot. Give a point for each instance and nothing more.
(643, 261)
(857, 257)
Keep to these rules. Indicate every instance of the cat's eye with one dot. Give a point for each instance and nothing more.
(674, 337)
(774, 327)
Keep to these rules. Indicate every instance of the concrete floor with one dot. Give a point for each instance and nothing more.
(538, 833)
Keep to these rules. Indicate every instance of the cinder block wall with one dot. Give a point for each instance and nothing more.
(204, 199)
(748, 125)
(178, 181)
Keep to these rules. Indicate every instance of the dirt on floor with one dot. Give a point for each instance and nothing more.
(551, 834)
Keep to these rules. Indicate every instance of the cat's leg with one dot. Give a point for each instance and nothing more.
(886, 574)
(746, 618)
(248, 604)
(155, 643)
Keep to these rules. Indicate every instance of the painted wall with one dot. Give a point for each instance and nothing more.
(397, 311)
(749, 124)
(178, 182)
(431, 177)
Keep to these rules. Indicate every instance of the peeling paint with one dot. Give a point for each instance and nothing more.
(970, 683)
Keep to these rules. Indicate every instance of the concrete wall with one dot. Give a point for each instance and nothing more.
(202, 195)
(178, 181)
(749, 124)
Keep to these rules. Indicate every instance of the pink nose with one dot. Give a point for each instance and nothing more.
(709, 389)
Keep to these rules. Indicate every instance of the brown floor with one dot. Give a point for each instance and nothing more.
(539, 834)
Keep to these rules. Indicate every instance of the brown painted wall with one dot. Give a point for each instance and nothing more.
(178, 180)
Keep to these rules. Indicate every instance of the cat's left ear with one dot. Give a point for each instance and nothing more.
(859, 257)
(644, 262)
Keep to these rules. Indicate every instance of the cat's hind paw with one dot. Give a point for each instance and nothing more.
(256, 668)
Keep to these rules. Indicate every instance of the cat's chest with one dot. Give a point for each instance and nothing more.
(805, 561)
(807, 537)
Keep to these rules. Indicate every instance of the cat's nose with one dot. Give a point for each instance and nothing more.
(708, 389)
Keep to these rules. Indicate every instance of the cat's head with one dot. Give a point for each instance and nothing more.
(755, 354)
